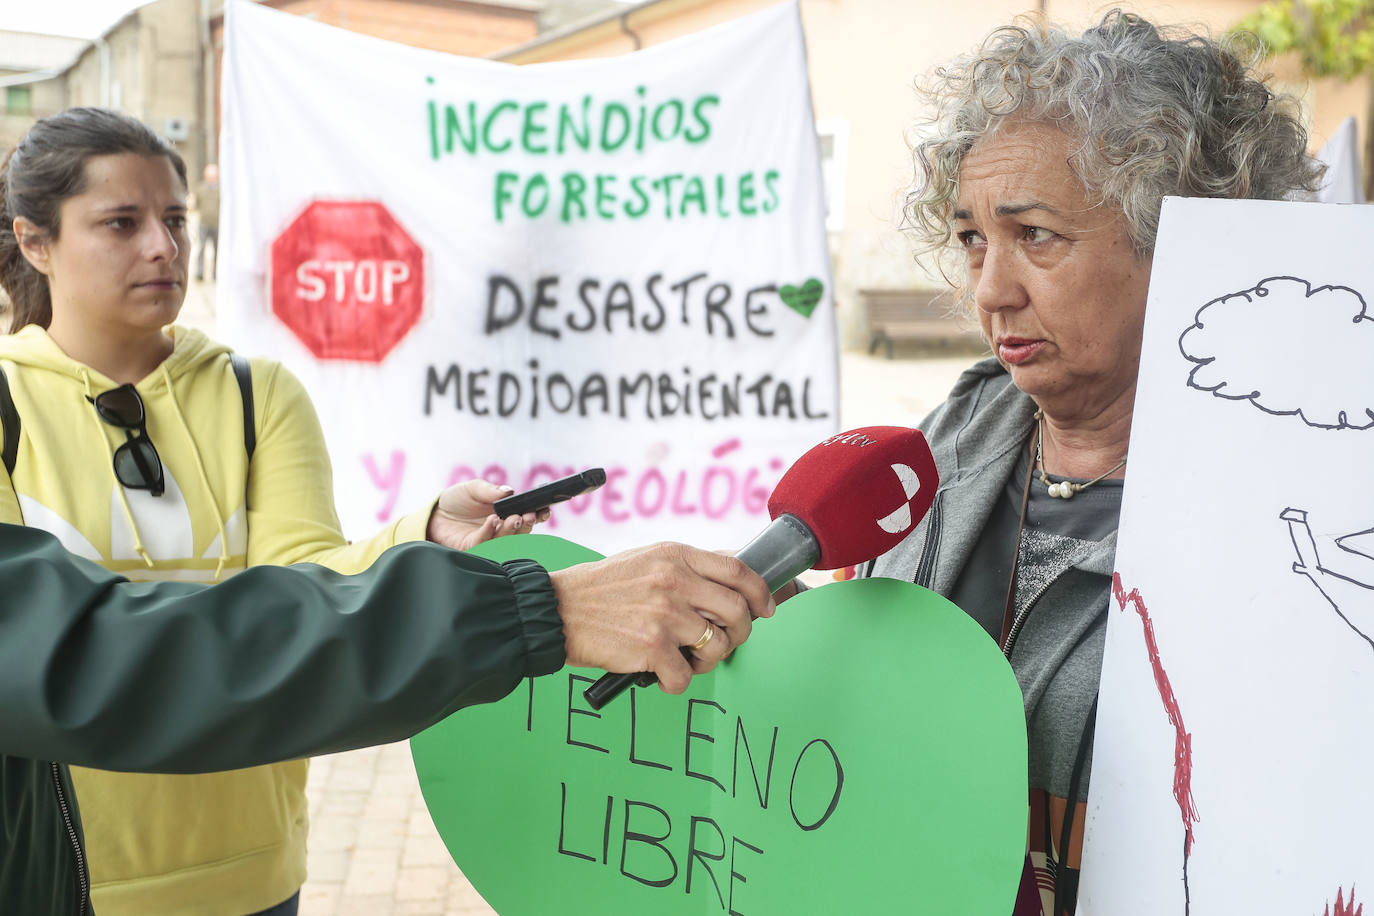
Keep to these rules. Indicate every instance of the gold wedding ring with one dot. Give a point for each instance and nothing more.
(705, 637)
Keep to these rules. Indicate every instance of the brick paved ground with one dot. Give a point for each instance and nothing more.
(373, 850)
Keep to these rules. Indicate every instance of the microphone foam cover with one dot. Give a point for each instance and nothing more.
(860, 492)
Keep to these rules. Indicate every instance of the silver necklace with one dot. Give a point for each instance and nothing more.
(1063, 489)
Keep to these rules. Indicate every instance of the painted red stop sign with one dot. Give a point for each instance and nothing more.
(347, 279)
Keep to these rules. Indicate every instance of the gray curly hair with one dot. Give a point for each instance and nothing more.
(1156, 114)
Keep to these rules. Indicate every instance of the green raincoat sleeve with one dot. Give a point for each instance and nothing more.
(276, 663)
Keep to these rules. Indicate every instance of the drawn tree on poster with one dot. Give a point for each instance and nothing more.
(1183, 739)
(1331, 38)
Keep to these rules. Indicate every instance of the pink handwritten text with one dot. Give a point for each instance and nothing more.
(714, 490)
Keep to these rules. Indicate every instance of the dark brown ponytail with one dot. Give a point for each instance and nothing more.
(26, 287)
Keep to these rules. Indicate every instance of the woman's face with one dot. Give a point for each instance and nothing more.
(119, 262)
(1059, 291)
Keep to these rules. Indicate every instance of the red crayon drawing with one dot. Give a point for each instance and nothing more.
(1342, 908)
(1183, 741)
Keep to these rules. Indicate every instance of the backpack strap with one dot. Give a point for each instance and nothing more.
(243, 373)
(9, 416)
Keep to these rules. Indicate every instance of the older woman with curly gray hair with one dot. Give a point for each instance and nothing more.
(1040, 182)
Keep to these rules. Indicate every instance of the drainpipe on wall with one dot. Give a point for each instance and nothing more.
(624, 19)
(203, 106)
(103, 52)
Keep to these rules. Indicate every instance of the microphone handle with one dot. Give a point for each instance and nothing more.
(800, 551)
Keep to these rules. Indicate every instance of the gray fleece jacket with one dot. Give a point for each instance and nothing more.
(977, 434)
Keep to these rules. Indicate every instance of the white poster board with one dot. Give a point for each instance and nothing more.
(479, 269)
(1233, 769)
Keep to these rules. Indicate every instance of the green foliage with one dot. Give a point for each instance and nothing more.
(1331, 37)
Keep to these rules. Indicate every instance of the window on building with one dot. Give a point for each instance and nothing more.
(833, 134)
(19, 100)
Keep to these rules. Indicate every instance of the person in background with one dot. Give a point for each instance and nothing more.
(207, 212)
(279, 663)
(1039, 182)
(143, 447)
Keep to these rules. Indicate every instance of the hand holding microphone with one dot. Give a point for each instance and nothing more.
(851, 498)
(632, 611)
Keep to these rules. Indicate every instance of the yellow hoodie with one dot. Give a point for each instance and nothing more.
(220, 844)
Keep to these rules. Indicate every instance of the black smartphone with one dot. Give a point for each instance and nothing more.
(554, 492)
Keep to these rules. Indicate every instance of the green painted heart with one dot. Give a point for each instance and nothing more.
(802, 299)
(864, 752)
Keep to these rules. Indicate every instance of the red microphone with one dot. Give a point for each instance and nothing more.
(851, 498)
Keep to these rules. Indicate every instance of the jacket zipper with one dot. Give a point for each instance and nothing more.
(925, 570)
(1020, 620)
(81, 878)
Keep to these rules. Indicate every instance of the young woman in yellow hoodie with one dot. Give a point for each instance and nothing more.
(132, 452)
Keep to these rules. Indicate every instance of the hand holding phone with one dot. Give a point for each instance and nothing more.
(550, 493)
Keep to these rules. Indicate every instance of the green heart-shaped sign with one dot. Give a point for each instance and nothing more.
(802, 299)
(864, 752)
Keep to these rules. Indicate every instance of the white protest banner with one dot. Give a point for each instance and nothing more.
(479, 269)
(1343, 182)
(1231, 769)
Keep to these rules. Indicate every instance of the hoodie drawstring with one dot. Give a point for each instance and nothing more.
(200, 470)
(119, 488)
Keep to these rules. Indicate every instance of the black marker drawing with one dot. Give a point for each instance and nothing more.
(1346, 577)
(1290, 349)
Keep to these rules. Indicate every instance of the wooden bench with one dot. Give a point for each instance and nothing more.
(911, 314)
